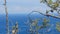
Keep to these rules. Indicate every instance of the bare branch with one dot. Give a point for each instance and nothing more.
(45, 14)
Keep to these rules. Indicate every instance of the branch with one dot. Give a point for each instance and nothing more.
(44, 14)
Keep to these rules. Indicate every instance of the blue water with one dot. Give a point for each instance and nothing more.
(22, 19)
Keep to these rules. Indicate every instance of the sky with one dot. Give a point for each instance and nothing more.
(22, 6)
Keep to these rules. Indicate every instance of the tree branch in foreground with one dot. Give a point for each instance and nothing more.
(48, 15)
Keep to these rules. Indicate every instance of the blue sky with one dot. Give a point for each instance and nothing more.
(22, 6)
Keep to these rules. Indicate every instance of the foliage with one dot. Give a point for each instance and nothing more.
(58, 26)
(45, 22)
(37, 27)
(34, 23)
(54, 6)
